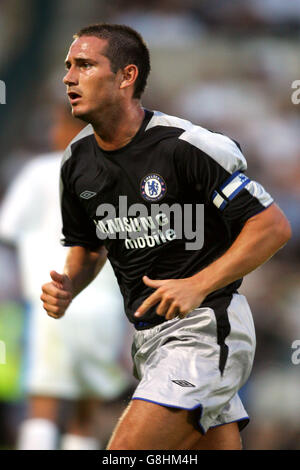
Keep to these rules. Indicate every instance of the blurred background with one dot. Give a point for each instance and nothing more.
(226, 65)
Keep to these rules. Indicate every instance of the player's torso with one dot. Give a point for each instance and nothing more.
(142, 208)
(136, 195)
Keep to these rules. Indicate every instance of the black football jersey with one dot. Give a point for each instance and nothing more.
(165, 205)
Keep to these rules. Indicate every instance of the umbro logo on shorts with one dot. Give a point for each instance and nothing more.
(183, 383)
(87, 194)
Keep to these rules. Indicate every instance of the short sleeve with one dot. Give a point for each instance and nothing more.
(214, 165)
(78, 228)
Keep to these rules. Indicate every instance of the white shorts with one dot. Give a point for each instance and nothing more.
(78, 355)
(189, 364)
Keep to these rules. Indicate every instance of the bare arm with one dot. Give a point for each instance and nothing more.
(259, 239)
(81, 267)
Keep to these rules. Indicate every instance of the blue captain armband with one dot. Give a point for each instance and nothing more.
(229, 189)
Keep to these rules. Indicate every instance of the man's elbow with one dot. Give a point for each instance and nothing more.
(277, 226)
(282, 231)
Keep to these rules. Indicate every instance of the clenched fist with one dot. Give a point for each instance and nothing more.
(57, 295)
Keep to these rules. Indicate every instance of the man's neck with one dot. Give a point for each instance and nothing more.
(120, 128)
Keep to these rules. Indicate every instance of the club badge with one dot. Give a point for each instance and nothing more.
(153, 187)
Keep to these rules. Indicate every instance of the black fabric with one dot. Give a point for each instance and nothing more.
(219, 306)
(190, 175)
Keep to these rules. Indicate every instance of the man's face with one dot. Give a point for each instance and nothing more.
(92, 87)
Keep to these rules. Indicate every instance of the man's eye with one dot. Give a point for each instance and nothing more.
(86, 65)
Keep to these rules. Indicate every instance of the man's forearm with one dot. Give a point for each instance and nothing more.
(261, 237)
(82, 266)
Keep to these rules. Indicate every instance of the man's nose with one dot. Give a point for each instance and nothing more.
(70, 77)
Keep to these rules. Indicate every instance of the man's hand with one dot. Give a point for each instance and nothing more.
(81, 267)
(176, 297)
(57, 295)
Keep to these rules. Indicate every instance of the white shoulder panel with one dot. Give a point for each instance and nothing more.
(161, 119)
(88, 130)
(219, 147)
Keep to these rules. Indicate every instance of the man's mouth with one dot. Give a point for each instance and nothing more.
(73, 96)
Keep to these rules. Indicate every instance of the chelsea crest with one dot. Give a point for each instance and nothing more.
(153, 187)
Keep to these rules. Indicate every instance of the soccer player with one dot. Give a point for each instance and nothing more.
(75, 360)
(135, 182)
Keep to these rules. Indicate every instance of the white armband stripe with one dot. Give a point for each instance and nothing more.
(218, 201)
(234, 185)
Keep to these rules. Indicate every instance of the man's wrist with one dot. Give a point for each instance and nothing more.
(70, 285)
(200, 283)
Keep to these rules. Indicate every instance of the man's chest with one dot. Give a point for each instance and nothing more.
(136, 181)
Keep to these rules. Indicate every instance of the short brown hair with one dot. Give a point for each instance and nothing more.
(125, 46)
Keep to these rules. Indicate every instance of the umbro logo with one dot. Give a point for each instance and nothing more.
(87, 194)
(183, 383)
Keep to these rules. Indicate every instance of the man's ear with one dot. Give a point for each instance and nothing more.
(129, 76)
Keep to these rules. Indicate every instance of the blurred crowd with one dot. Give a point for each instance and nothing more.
(226, 65)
